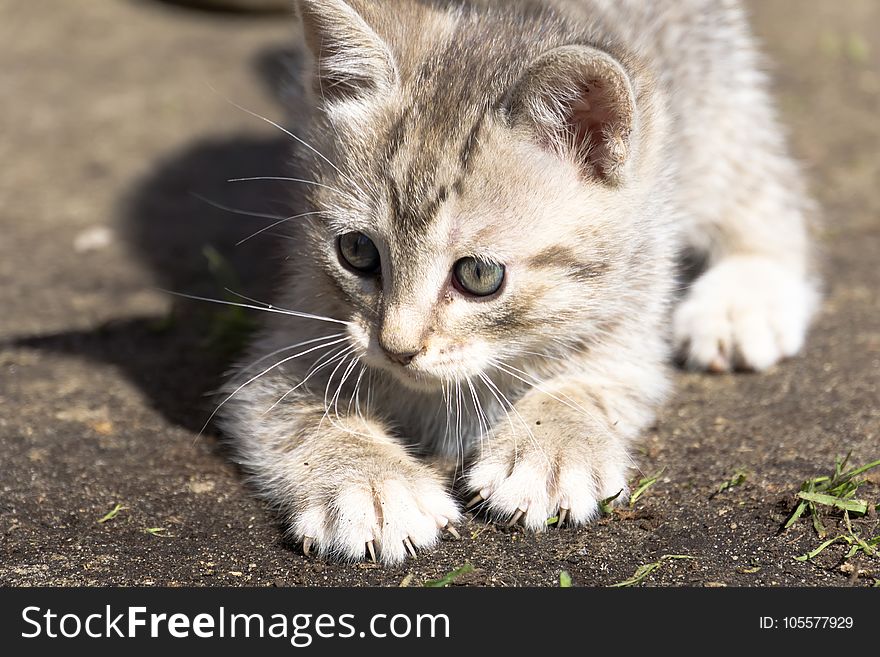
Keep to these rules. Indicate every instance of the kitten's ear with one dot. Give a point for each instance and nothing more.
(579, 102)
(352, 60)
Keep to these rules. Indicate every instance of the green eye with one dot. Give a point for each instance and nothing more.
(478, 277)
(359, 253)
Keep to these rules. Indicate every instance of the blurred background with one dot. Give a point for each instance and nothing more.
(116, 142)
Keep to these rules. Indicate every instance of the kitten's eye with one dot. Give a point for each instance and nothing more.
(478, 277)
(359, 253)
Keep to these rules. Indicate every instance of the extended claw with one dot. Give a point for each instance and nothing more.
(409, 547)
(516, 516)
(372, 550)
(479, 497)
(307, 545)
(563, 513)
(446, 526)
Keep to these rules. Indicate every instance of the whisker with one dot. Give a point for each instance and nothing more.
(535, 383)
(355, 397)
(295, 138)
(261, 374)
(226, 208)
(286, 179)
(278, 223)
(283, 349)
(504, 367)
(345, 376)
(525, 424)
(269, 308)
(328, 359)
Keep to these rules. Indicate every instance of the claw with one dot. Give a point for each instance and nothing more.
(476, 499)
(409, 547)
(563, 513)
(516, 516)
(479, 497)
(307, 545)
(372, 550)
(446, 526)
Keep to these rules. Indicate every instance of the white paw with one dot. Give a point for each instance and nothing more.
(384, 513)
(745, 312)
(535, 478)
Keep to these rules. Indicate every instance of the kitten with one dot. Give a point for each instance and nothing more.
(498, 193)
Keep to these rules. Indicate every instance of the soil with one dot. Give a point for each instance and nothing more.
(115, 124)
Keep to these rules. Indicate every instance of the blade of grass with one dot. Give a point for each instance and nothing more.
(449, 578)
(854, 506)
(738, 478)
(798, 512)
(112, 513)
(863, 469)
(818, 550)
(564, 580)
(605, 506)
(644, 484)
(643, 571)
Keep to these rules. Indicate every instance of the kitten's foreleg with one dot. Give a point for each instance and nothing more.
(753, 304)
(563, 449)
(345, 486)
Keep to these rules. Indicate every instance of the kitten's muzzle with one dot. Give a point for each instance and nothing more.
(401, 358)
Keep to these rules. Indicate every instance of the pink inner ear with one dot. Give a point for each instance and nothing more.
(591, 120)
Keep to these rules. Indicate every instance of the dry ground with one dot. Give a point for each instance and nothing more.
(109, 126)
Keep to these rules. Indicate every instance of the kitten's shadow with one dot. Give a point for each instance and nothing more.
(168, 222)
(172, 222)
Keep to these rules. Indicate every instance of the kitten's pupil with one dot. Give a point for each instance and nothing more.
(478, 277)
(359, 253)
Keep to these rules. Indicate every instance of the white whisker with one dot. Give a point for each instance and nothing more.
(277, 223)
(226, 208)
(269, 308)
(287, 179)
(295, 138)
(263, 373)
(317, 366)
(283, 349)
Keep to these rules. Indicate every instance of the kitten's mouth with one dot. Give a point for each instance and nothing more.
(410, 376)
(415, 379)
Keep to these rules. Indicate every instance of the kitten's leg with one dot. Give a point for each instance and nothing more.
(564, 448)
(345, 486)
(745, 207)
(747, 311)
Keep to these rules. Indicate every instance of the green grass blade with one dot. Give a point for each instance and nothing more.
(818, 550)
(112, 513)
(643, 571)
(798, 512)
(863, 469)
(449, 578)
(605, 506)
(564, 580)
(644, 484)
(853, 506)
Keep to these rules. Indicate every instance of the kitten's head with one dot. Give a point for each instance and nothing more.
(483, 188)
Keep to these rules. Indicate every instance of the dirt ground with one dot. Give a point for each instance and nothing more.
(114, 124)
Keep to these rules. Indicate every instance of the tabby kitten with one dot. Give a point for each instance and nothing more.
(498, 192)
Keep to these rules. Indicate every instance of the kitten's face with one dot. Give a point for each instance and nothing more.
(520, 258)
(471, 218)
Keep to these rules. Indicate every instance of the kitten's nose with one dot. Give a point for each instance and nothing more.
(402, 358)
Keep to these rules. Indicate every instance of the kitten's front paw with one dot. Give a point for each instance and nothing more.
(380, 507)
(548, 473)
(747, 312)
